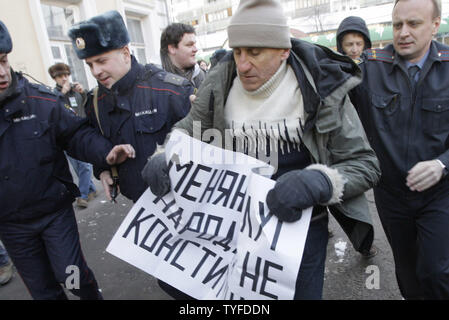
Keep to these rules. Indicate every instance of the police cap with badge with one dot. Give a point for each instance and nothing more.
(99, 34)
(5, 39)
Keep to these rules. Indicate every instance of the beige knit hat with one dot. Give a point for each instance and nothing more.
(259, 23)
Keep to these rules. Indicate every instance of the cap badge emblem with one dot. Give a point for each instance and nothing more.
(80, 43)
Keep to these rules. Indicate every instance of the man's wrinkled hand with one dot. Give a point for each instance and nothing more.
(424, 175)
(120, 153)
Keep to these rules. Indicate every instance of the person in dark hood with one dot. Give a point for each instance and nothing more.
(353, 37)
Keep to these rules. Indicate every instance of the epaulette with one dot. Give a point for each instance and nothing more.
(379, 55)
(43, 89)
(174, 79)
(443, 55)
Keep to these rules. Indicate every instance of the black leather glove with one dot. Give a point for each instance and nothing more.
(297, 190)
(155, 174)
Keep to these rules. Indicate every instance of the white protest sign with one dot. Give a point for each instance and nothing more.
(213, 236)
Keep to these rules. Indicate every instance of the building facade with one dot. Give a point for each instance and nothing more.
(39, 31)
(209, 17)
(320, 19)
(313, 20)
(39, 27)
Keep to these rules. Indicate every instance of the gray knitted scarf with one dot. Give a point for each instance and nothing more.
(168, 66)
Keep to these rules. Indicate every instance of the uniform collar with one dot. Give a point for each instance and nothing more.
(122, 86)
(420, 63)
(431, 56)
(17, 88)
(13, 90)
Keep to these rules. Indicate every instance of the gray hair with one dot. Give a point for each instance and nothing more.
(436, 7)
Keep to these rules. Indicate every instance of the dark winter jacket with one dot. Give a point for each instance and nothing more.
(404, 126)
(35, 129)
(140, 109)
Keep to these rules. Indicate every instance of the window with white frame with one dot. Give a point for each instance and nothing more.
(58, 20)
(137, 44)
(302, 4)
(344, 5)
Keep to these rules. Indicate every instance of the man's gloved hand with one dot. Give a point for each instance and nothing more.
(155, 174)
(297, 190)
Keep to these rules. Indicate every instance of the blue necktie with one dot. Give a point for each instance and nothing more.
(412, 71)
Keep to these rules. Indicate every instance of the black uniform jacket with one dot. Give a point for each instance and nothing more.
(404, 126)
(35, 129)
(139, 109)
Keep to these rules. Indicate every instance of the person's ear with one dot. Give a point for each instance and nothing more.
(285, 54)
(126, 53)
(436, 25)
(171, 49)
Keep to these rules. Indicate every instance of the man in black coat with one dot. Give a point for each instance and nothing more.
(136, 104)
(37, 223)
(403, 103)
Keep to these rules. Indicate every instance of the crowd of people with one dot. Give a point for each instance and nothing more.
(340, 123)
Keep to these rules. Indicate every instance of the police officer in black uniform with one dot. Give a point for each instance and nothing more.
(37, 222)
(403, 103)
(136, 104)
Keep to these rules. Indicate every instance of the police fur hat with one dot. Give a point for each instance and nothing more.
(59, 69)
(99, 34)
(5, 39)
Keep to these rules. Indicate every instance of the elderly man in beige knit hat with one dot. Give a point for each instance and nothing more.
(286, 100)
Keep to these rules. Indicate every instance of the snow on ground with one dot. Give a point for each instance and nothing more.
(340, 248)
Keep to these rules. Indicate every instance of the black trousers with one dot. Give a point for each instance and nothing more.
(417, 228)
(42, 250)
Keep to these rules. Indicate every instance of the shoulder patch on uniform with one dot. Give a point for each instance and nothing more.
(174, 79)
(379, 55)
(443, 55)
(43, 89)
